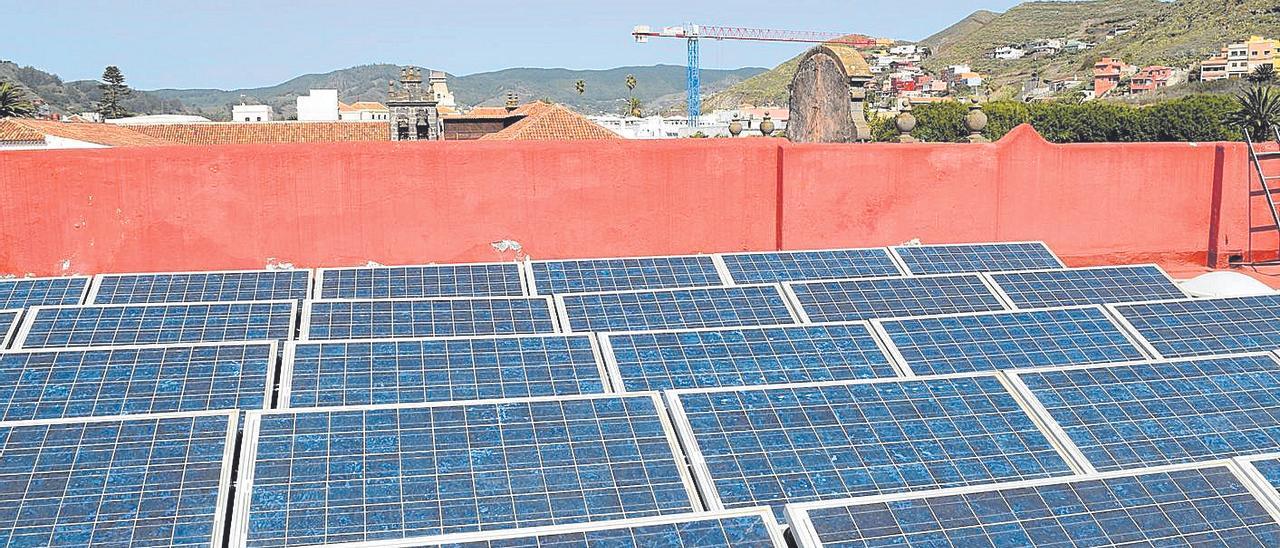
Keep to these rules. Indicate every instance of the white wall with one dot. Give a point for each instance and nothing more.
(254, 113)
(320, 106)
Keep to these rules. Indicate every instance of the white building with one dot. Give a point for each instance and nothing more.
(251, 113)
(444, 97)
(1008, 53)
(321, 105)
(363, 111)
(909, 49)
(713, 124)
(158, 119)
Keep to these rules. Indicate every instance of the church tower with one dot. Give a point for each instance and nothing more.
(413, 112)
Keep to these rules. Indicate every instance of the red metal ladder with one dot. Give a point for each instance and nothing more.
(1257, 157)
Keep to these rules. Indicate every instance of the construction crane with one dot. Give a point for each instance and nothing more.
(694, 33)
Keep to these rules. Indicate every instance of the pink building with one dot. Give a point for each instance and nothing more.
(1150, 79)
(1106, 75)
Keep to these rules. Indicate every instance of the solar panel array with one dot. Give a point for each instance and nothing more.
(795, 443)
(403, 471)
(782, 266)
(190, 287)
(1155, 413)
(444, 280)
(444, 317)
(590, 275)
(675, 308)
(18, 293)
(745, 356)
(1081, 286)
(866, 299)
(1006, 340)
(1203, 327)
(364, 372)
(976, 394)
(1209, 506)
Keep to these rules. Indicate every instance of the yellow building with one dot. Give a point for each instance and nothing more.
(1240, 59)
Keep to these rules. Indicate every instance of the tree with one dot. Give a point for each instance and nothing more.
(14, 102)
(581, 86)
(114, 91)
(631, 84)
(634, 107)
(1258, 113)
(1264, 74)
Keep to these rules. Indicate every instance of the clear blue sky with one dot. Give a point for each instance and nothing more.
(243, 43)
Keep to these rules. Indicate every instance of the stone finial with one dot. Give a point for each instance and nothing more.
(975, 122)
(906, 123)
(766, 125)
(513, 102)
(735, 127)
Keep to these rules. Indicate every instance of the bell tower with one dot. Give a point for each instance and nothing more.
(412, 109)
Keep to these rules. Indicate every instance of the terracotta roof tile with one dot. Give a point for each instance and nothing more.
(368, 105)
(545, 122)
(219, 133)
(12, 132)
(101, 134)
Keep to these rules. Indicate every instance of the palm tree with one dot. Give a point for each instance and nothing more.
(1259, 111)
(14, 102)
(1264, 74)
(633, 107)
(581, 86)
(631, 83)
(633, 104)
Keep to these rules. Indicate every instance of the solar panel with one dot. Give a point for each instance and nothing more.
(416, 318)
(8, 326)
(1149, 414)
(128, 380)
(359, 474)
(1204, 327)
(146, 480)
(29, 292)
(195, 287)
(791, 443)
(870, 298)
(783, 266)
(1267, 471)
(989, 341)
(437, 280)
(754, 528)
(364, 372)
(744, 356)
(1173, 506)
(675, 308)
(1081, 286)
(130, 324)
(992, 257)
(591, 275)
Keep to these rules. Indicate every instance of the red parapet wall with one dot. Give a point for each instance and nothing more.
(242, 206)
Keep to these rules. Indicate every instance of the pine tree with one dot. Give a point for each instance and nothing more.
(114, 91)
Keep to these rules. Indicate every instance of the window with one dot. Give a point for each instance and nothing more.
(259, 118)
(246, 118)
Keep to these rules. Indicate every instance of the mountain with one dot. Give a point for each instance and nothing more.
(79, 95)
(769, 87)
(945, 38)
(658, 86)
(1185, 32)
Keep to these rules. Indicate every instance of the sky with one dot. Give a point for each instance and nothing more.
(240, 43)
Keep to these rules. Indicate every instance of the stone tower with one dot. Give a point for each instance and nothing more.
(828, 96)
(412, 109)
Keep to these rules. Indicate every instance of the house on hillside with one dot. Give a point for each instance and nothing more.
(1107, 73)
(1008, 53)
(1150, 79)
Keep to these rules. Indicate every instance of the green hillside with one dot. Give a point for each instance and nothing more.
(1185, 32)
(80, 95)
(950, 35)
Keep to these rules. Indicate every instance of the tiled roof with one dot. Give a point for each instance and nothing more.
(101, 134)
(12, 132)
(343, 107)
(368, 105)
(267, 132)
(545, 122)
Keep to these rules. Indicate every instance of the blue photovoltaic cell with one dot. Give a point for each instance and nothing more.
(678, 309)
(8, 325)
(1270, 470)
(1112, 284)
(178, 287)
(1159, 413)
(784, 444)
(118, 325)
(49, 384)
(1203, 327)
(951, 259)
(29, 292)
(428, 318)
(134, 481)
(581, 276)
(445, 280)
(711, 532)
(745, 356)
(782, 266)
(393, 472)
(411, 371)
(1197, 507)
(1006, 340)
(847, 300)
